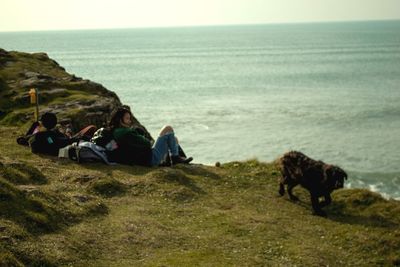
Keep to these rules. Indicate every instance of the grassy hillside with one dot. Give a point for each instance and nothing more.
(58, 213)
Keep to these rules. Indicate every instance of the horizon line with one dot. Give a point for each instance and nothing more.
(201, 25)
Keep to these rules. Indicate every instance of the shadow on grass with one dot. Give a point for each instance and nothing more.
(355, 207)
(339, 212)
(190, 169)
(177, 176)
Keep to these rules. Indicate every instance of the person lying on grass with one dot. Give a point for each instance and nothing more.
(135, 149)
(44, 138)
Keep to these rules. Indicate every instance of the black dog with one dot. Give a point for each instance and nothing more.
(318, 178)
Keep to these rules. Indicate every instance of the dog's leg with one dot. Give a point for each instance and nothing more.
(327, 200)
(289, 189)
(281, 189)
(315, 205)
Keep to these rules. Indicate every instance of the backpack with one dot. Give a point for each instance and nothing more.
(87, 152)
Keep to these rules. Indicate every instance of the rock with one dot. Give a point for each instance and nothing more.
(29, 82)
(5, 57)
(73, 78)
(85, 178)
(28, 188)
(80, 101)
(82, 198)
(35, 82)
(3, 53)
(5, 238)
(55, 91)
(41, 56)
(31, 74)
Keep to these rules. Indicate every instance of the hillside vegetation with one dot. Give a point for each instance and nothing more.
(58, 213)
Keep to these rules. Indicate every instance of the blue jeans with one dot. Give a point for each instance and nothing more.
(164, 144)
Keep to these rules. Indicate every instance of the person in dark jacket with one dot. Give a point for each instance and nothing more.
(135, 148)
(48, 140)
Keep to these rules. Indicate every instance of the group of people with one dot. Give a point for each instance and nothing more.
(132, 145)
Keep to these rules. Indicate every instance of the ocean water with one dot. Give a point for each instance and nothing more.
(330, 90)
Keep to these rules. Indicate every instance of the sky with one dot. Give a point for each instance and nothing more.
(29, 15)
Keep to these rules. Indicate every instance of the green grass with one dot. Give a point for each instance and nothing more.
(98, 215)
(107, 187)
(31, 62)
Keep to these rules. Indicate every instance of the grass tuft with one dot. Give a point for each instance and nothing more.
(107, 187)
(8, 259)
(22, 173)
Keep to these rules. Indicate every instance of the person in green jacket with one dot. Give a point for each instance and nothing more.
(135, 148)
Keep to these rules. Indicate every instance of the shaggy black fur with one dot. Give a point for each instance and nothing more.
(318, 178)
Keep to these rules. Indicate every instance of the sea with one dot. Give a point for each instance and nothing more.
(232, 93)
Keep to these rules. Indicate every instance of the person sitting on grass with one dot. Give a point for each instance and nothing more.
(47, 140)
(134, 148)
(44, 138)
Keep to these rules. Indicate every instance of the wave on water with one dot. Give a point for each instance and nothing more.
(387, 184)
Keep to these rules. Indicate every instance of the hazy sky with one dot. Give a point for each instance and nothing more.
(26, 15)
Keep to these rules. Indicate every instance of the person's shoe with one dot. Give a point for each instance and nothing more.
(23, 141)
(179, 159)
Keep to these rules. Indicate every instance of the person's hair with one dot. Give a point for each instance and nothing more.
(117, 117)
(49, 120)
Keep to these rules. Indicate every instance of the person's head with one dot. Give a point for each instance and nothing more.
(122, 117)
(49, 120)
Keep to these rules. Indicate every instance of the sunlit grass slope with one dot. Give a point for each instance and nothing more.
(57, 213)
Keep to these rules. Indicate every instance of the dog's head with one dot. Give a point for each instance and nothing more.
(335, 177)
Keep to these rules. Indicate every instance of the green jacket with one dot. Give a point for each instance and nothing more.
(133, 148)
(135, 136)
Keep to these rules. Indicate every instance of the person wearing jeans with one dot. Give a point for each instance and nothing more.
(135, 148)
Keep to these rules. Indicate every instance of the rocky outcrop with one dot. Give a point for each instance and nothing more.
(77, 101)
(4, 57)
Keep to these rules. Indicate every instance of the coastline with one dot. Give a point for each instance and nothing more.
(57, 212)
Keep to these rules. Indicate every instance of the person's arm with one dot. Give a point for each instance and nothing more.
(62, 140)
(128, 136)
(139, 139)
(145, 134)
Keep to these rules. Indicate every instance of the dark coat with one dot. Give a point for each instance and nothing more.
(133, 148)
(48, 142)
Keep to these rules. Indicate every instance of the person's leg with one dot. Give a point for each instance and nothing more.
(163, 145)
(32, 128)
(166, 161)
(23, 140)
(176, 150)
(181, 152)
(166, 130)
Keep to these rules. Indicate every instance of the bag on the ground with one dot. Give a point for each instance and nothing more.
(83, 152)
